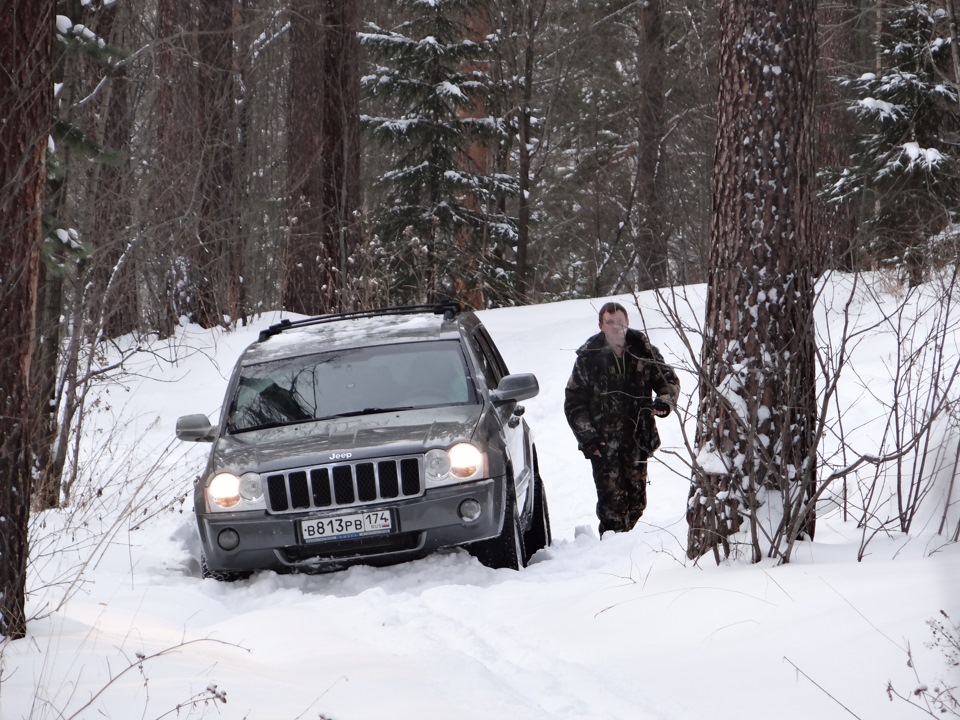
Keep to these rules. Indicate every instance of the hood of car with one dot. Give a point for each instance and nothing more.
(356, 438)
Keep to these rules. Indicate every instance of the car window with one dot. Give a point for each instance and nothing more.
(350, 382)
(493, 366)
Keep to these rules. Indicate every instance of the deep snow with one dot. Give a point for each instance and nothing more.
(626, 628)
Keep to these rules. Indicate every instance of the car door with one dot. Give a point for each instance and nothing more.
(515, 429)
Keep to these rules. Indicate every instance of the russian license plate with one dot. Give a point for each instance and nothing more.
(340, 527)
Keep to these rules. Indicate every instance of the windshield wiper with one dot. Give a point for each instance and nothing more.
(366, 411)
(233, 429)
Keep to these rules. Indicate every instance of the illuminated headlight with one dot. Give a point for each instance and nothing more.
(460, 463)
(466, 462)
(227, 491)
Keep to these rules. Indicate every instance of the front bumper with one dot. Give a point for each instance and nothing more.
(423, 524)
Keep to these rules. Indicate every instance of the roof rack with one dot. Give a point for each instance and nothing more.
(449, 310)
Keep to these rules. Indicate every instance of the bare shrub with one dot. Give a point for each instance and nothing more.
(888, 462)
(942, 699)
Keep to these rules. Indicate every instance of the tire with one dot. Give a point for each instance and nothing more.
(507, 549)
(539, 535)
(220, 575)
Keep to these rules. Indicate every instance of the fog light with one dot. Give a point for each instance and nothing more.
(469, 510)
(228, 539)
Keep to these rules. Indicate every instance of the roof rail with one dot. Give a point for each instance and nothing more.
(449, 310)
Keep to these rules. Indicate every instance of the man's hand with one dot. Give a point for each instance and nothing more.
(660, 408)
(592, 448)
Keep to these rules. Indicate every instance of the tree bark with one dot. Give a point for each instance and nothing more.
(524, 136)
(43, 389)
(323, 154)
(651, 247)
(172, 190)
(757, 390)
(341, 145)
(218, 252)
(840, 51)
(26, 92)
(49, 312)
(111, 187)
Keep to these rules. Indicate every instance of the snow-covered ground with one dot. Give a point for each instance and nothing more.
(626, 628)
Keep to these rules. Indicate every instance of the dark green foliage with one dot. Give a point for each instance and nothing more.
(62, 244)
(443, 201)
(906, 166)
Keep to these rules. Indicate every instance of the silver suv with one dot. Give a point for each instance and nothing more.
(369, 437)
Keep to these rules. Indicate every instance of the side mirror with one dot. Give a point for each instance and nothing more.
(513, 388)
(194, 428)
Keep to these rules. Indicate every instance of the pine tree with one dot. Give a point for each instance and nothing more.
(323, 156)
(906, 166)
(758, 405)
(26, 54)
(443, 217)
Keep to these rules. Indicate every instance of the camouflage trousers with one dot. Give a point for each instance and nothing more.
(621, 480)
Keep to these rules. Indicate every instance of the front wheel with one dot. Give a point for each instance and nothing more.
(506, 550)
(539, 535)
(220, 575)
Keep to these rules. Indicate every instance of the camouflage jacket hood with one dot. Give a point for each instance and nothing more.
(610, 397)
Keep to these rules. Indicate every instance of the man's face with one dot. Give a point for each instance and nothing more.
(614, 327)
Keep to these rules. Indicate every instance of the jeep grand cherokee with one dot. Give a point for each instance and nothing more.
(369, 437)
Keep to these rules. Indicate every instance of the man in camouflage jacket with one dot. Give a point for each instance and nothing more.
(610, 406)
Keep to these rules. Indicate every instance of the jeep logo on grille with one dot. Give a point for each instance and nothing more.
(341, 456)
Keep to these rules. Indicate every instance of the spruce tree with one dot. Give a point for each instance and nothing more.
(442, 220)
(906, 166)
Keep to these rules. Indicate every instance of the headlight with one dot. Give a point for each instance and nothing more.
(251, 489)
(466, 461)
(226, 491)
(437, 465)
(461, 462)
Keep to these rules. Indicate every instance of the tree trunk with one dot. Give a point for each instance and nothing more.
(173, 186)
(532, 15)
(472, 243)
(323, 153)
(26, 55)
(43, 389)
(218, 253)
(341, 145)
(757, 386)
(111, 186)
(651, 247)
(840, 51)
(305, 264)
(49, 311)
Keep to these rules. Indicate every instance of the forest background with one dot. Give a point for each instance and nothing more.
(209, 161)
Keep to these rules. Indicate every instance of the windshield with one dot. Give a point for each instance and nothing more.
(349, 383)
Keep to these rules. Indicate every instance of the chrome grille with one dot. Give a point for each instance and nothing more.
(344, 484)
